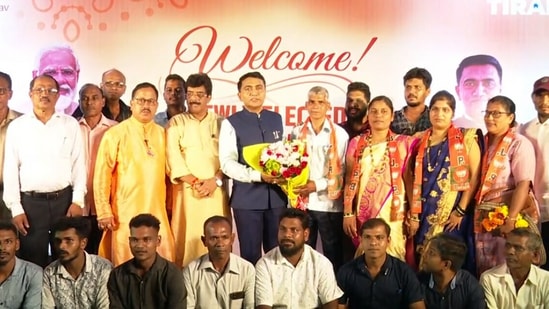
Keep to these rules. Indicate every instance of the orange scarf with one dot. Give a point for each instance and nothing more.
(459, 166)
(395, 163)
(335, 170)
(491, 167)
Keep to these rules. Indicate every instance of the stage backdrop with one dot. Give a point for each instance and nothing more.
(296, 44)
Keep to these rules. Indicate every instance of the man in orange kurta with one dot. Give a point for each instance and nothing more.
(193, 161)
(129, 178)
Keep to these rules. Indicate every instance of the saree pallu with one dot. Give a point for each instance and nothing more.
(439, 201)
(375, 197)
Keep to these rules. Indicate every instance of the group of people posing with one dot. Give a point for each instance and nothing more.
(389, 192)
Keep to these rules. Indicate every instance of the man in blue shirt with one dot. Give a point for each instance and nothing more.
(20, 281)
(444, 283)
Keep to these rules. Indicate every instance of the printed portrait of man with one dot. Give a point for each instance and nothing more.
(478, 80)
(61, 63)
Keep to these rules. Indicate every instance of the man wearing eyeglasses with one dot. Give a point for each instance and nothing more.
(130, 170)
(6, 116)
(113, 84)
(478, 80)
(44, 170)
(174, 96)
(60, 63)
(193, 164)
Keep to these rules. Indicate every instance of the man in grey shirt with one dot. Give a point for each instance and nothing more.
(20, 281)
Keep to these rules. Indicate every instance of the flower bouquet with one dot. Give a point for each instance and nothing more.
(287, 159)
(497, 217)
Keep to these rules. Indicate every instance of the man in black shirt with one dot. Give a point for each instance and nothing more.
(444, 284)
(376, 279)
(356, 108)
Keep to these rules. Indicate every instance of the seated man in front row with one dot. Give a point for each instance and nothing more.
(376, 279)
(20, 281)
(148, 280)
(293, 275)
(518, 283)
(76, 279)
(219, 279)
(443, 281)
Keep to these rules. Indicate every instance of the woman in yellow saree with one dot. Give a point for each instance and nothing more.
(375, 164)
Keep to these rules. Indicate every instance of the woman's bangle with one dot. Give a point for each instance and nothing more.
(460, 211)
(415, 219)
(512, 219)
(348, 214)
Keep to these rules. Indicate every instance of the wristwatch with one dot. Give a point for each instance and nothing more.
(218, 182)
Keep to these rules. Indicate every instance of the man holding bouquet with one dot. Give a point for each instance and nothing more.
(257, 201)
(326, 146)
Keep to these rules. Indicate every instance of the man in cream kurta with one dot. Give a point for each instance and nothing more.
(129, 177)
(193, 163)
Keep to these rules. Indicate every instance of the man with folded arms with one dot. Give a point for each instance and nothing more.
(44, 170)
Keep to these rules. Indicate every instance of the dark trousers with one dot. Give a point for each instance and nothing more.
(42, 214)
(330, 227)
(255, 227)
(95, 235)
(5, 213)
(545, 238)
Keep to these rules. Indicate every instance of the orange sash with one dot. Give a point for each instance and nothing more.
(459, 166)
(395, 163)
(334, 167)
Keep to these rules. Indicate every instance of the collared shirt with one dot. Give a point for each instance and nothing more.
(396, 285)
(538, 134)
(89, 290)
(464, 291)
(500, 290)
(161, 287)
(348, 127)
(3, 129)
(125, 112)
(207, 288)
(91, 140)
(310, 284)
(318, 148)
(43, 158)
(23, 288)
(401, 124)
(162, 119)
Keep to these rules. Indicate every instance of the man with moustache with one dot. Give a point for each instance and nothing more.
(44, 170)
(356, 107)
(517, 283)
(414, 117)
(256, 199)
(478, 80)
(193, 164)
(93, 125)
(537, 131)
(20, 281)
(130, 170)
(60, 63)
(147, 280)
(326, 146)
(113, 84)
(294, 275)
(174, 96)
(6, 116)
(219, 279)
(76, 279)
(376, 279)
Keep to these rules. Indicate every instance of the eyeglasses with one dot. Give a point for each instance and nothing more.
(200, 95)
(4, 91)
(114, 84)
(143, 101)
(48, 91)
(65, 72)
(494, 114)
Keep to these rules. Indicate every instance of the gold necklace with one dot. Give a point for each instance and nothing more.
(385, 155)
(429, 167)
